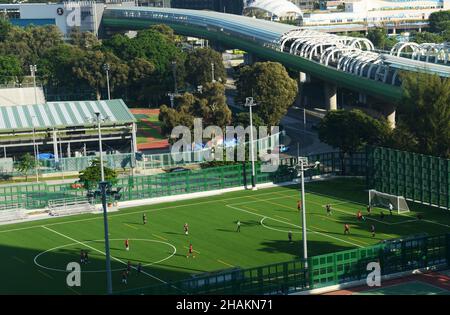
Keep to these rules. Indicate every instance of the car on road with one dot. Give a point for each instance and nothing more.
(177, 170)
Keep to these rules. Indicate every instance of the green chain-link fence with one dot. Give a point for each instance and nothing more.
(394, 256)
(417, 177)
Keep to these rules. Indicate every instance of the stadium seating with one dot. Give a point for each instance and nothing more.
(70, 206)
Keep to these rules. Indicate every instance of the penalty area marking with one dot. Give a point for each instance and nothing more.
(275, 229)
(95, 241)
(295, 225)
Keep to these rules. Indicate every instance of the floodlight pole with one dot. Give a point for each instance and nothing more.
(249, 103)
(103, 185)
(36, 153)
(106, 68)
(105, 224)
(212, 73)
(175, 84)
(305, 243)
(33, 70)
(302, 163)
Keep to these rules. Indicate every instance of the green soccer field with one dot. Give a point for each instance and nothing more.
(34, 255)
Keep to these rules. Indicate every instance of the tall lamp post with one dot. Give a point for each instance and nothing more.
(35, 150)
(33, 70)
(249, 102)
(106, 68)
(103, 186)
(303, 166)
(174, 72)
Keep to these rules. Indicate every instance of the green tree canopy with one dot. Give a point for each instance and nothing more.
(427, 37)
(199, 69)
(26, 163)
(270, 86)
(439, 21)
(378, 36)
(91, 176)
(210, 105)
(349, 131)
(89, 69)
(10, 68)
(425, 112)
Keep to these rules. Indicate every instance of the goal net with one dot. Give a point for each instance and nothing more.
(383, 200)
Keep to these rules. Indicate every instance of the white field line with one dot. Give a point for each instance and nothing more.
(100, 217)
(292, 224)
(367, 217)
(101, 252)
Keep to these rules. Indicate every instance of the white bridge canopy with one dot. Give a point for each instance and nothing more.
(280, 8)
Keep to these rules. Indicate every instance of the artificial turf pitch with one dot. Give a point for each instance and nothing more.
(34, 255)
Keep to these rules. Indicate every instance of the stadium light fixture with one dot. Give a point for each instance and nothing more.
(303, 166)
(249, 102)
(103, 187)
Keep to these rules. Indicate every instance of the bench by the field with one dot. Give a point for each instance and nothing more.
(12, 212)
(70, 206)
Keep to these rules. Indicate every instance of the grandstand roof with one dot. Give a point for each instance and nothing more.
(63, 114)
(280, 8)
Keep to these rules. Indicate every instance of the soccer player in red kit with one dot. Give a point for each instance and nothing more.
(346, 229)
(191, 251)
(127, 244)
(299, 205)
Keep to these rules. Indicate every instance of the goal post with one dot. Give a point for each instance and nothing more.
(383, 200)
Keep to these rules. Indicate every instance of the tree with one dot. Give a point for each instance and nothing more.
(26, 163)
(91, 176)
(10, 68)
(89, 69)
(84, 40)
(425, 112)
(349, 131)
(210, 106)
(199, 69)
(270, 86)
(243, 119)
(157, 48)
(55, 67)
(427, 37)
(5, 28)
(380, 39)
(439, 21)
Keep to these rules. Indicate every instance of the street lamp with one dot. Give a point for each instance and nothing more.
(174, 72)
(35, 150)
(303, 166)
(250, 103)
(213, 80)
(106, 68)
(33, 70)
(103, 186)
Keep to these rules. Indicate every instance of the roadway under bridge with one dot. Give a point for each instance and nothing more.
(340, 61)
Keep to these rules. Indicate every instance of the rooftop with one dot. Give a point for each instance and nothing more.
(63, 114)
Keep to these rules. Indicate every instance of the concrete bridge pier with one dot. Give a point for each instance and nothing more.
(250, 58)
(330, 91)
(362, 98)
(389, 113)
(301, 98)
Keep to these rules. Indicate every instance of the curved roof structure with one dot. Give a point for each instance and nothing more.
(279, 8)
(346, 61)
